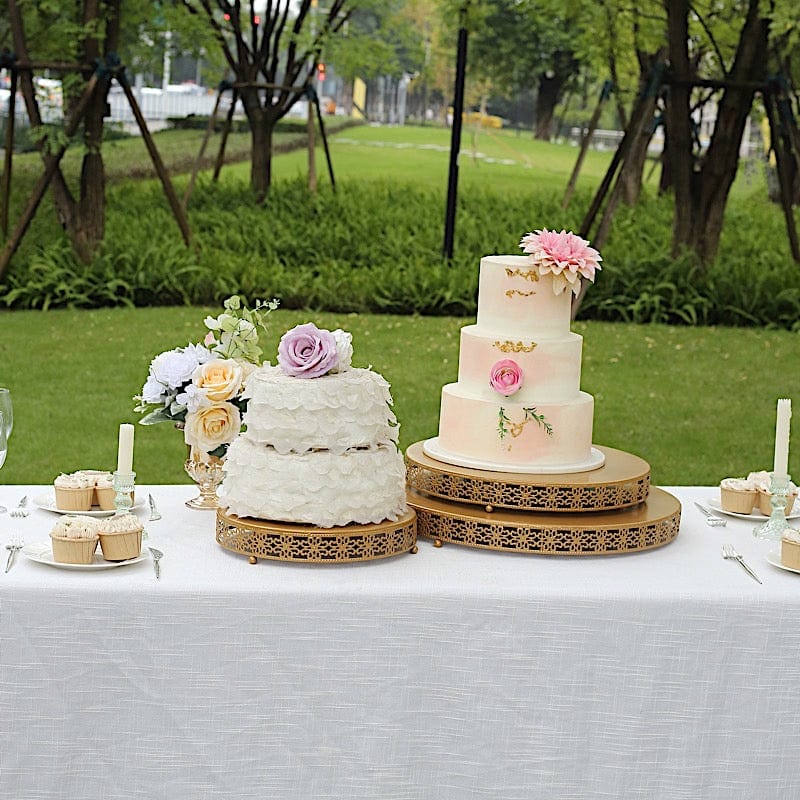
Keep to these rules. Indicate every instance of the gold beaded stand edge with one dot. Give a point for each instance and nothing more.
(284, 541)
(605, 511)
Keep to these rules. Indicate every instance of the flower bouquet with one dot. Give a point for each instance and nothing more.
(199, 388)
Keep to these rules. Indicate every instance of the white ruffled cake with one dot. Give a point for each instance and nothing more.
(320, 448)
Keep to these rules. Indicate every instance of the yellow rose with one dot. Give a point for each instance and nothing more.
(220, 379)
(209, 427)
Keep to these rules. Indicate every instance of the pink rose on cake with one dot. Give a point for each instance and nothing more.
(564, 255)
(212, 426)
(307, 351)
(506, 377)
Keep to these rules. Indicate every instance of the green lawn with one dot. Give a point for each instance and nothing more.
(697, 403)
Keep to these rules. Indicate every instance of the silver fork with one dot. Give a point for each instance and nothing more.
(157, 556)
(711, 519)
(13, 546)
(20, 510)
(729, 552)
(154, 515)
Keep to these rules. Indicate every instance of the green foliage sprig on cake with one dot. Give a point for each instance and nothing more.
(506, 426)
(199, 387)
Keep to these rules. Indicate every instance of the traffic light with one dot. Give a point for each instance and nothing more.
(321, 71)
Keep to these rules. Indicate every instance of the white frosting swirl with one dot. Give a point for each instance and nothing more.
(120, 523)
(738, 484)
(73, 527)
(76, 480)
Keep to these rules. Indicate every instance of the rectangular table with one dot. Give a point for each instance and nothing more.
(453, 673)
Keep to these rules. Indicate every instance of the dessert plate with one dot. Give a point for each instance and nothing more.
(757, 517)
(47, 502)
(774, 558)
(42, 553)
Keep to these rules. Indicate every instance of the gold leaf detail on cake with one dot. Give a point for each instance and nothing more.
(512, 292)
(514, 347)
(529, 275)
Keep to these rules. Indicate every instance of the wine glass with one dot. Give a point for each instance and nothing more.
(7, 410)
(3, 448)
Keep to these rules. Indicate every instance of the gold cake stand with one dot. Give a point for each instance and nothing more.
(622, 481)
(609, 510)
(284, 541)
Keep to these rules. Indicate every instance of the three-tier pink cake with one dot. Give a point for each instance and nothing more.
(517, 405)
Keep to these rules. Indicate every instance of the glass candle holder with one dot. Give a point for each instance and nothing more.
(124, 484)
(775, 526)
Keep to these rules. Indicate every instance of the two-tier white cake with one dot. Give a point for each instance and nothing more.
(517, 405)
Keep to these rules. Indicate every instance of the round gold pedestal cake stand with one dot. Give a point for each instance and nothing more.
(284, 541)
(606, 511)
(622, 481)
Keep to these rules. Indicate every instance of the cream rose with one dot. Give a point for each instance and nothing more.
(219, 380)
(209, 427)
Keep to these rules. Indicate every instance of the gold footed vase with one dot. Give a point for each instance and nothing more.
(206, 471)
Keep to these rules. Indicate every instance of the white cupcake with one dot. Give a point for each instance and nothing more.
(120, 537)
(74, 540)
(74, 492)
(790, 549)
(737, 495)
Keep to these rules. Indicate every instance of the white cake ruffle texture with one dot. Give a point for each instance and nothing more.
(316, 488)
(336, 412)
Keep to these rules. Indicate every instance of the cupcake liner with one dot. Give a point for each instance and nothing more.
(790, 554)
(73, 551)
(765, 507)
(738, 501)
(121, 545)
(74, 499)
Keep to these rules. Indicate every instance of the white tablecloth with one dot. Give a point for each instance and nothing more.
(450, 674)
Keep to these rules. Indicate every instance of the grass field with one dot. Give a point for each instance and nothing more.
(697, 403)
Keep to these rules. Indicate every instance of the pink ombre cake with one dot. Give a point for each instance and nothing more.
(517, 405)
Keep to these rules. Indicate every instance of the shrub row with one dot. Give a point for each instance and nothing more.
(376, 247)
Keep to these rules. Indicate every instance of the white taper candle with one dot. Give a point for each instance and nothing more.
(125, 450)
(781, 465)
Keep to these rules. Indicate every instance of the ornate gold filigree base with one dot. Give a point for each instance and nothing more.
(284, 541)
(652, 524)
(609, 510)
(623, 481)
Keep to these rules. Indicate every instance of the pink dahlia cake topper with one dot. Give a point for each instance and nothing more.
(564, 255)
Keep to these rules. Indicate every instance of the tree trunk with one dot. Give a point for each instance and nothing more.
(701, 191)
(631, 174)
(546, 100)
(89, 221)
(261, 127)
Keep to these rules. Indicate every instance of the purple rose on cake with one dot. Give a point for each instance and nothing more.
(505, 377)
(307, 352)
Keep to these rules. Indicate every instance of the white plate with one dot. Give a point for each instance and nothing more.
(42, 553)
(757, 517)
(47, 502)
(774, 558)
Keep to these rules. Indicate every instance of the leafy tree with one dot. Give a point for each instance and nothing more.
(523, 43)
(81, 34)
(272, 55)
(738, 39)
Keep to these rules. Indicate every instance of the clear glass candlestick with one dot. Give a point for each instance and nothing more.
(124, 483)
(775, 526)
